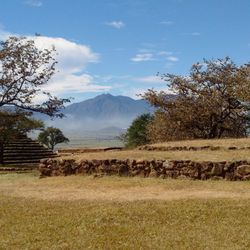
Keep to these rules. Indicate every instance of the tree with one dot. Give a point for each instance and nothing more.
(24, 70)
(51, 137)
(212, 102)
(136, 134)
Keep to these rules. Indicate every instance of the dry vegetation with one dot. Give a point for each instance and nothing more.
(242, 142)
(79, 212)
(203, 155)
(83, 212)
(118, 189)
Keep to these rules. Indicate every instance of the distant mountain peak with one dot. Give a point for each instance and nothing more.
(107, 105)
(102, 111)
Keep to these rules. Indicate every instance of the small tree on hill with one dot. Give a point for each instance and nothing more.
(212, 102)
(136, 134)
(51, 137)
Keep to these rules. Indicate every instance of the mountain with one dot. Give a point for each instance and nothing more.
(101, 112)
(107, 106)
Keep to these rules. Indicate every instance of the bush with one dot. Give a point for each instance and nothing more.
(137, 133)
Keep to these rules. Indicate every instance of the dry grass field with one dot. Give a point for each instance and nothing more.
(224, 154)
(242, 142)
(78, 212)
(83, 212)
(204, 155)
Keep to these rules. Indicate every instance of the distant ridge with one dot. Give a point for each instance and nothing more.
(100, 113)
(108, 106)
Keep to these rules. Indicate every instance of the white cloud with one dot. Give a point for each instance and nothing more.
(143, 57)
(150, 79)
(116, 24)
(70, 83)
(73, 59)
(34, 3)
(165, 53)
(167, 22)
(195, 33)
(4, 34)
(173, 59)
(136, 92)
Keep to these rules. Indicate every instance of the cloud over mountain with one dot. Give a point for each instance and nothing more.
(73, 58)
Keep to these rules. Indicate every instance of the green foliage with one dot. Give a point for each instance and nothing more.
(136, 134)
(12, 124)
(52, 136)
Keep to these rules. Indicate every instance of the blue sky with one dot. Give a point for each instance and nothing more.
(118, 46)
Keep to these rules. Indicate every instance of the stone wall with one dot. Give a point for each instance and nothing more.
(238, 170)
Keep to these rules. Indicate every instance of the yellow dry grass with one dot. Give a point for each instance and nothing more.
(119, 189)
(203, 155)
(78, 212)
(82, 212)
(230, 142)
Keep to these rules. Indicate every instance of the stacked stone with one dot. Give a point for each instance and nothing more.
(238, 170)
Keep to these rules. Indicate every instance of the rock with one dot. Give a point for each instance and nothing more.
(246, 178)
(153, 173)
(167, 165)
(217, 170)
(41, 166)
(43, 161)
(243, 170)
(203, 176)
(140, 162)
(229, 176)
(123, 170)
(147, 171)
(46, 172)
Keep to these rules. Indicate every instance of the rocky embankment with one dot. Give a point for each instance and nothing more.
(238, 170)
